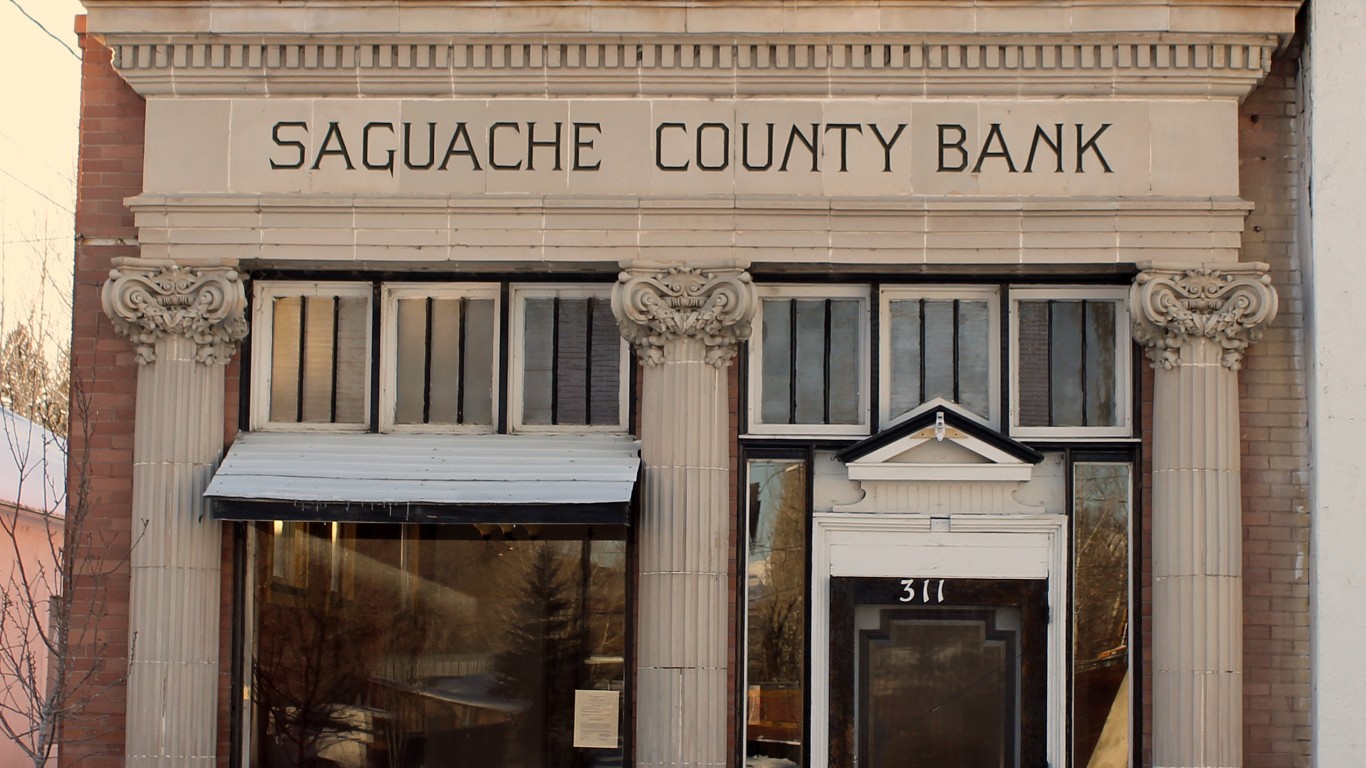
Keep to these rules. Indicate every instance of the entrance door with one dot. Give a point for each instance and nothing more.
(938, 673)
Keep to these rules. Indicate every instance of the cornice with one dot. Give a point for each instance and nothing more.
(567, 65)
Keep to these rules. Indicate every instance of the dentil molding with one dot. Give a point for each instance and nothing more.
(1175, 306)
(150, 299)
(655, 306)
(808, 64)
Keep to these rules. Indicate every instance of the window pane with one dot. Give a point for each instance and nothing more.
(1101, 409)
(974, 357)
(905, 351)
(605, 362)
(939, 362)
(481, 339)
(352, 360)
(777, 367)
(407, 645)
(571, 334)
(1075, 342)
(846, 362)
(444, 378)
(318, 351)
(811, 360)
(1032, 378)
(776, 611)
(1100, 685)
(317, 358)
(573, 362)
(537, 360)
(411, 360)
(284, 364)
(956, 356)
(1068, 376)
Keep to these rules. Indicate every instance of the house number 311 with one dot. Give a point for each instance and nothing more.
(929, 589)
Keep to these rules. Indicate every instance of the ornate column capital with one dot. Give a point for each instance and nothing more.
(148, 299)
(654, 305)
(1226, 305)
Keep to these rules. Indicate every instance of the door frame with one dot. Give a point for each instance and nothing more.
(962, 546)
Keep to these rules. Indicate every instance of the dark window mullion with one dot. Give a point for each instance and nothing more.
(303, 357)
(336, 346)
(1085, 318)
(825, 367)
(555, 362)
(427, 362)
(921, 305)
(588, 363)
(792, 362)
(956, 328)
(460, 364)
(1051, 420)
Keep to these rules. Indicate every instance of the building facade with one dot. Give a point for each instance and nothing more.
(695, 384)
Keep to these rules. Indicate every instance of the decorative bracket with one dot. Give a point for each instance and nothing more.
(654, 306)
(148, 299)
(1226, 305)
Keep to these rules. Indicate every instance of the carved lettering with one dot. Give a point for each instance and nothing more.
(887, 144)
(581, 143)
(333, 132)
(298, 145)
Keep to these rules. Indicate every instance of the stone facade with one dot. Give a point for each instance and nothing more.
(590, 138)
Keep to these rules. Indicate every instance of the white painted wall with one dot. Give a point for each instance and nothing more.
(1337, 415)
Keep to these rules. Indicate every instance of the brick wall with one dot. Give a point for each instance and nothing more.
(1275, 450)
(104, 376)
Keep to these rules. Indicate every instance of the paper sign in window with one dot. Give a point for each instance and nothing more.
(596, 715)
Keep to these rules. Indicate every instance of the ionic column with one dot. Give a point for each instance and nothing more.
(184, 323)
(685, 324)
(1195, 324)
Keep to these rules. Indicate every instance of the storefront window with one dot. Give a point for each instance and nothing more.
(1101, 531)
(775, 577)
(380, 646)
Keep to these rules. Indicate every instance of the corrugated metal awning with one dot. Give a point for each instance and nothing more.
(584, 479)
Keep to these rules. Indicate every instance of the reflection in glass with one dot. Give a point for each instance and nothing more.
(1100, 677)
(776, 590)
(422, 646)
(939, 687)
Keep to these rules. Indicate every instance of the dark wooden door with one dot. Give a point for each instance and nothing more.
(936, 673)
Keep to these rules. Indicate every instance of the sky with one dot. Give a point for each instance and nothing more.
(41, 93)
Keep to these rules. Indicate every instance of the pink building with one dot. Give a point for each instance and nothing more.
(33, 505)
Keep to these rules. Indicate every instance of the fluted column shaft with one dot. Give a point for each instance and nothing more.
(1196, 324)
(685, 325)
(184, 324)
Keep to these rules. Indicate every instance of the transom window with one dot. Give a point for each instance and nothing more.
(439, 366)
(312, 353)
(573, 362)
(939, 343)
(811, 372)
(809, 363)
(1071, 366)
